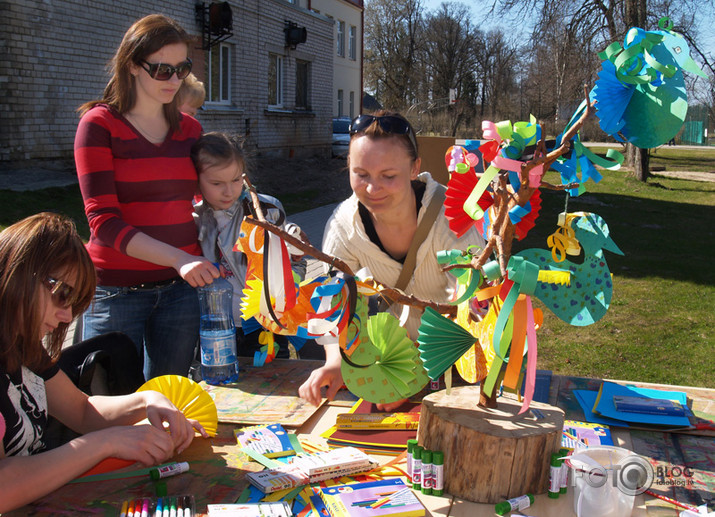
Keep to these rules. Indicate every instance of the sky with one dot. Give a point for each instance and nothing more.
(479, 7)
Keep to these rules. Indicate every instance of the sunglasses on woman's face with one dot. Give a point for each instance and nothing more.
(61, 292)
(163, 72)
(389, 124)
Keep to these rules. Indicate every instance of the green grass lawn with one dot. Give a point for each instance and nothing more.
(660, 325)
(662, 317)
(673, 158)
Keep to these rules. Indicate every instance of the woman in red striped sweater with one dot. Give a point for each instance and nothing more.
(137, 180)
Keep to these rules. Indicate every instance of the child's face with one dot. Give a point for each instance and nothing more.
(221, 185)
(188, 109)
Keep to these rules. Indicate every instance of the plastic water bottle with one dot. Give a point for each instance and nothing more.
(217, 333)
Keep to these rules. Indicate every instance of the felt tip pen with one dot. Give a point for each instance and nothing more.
(172, 509)
(169, 470)
(159, 505)
(130, 508)
(145, 508)
(123, 512)
(165, 508)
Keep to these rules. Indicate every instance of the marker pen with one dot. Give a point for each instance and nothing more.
(172, 510)
(123, 512)
(159, 507)
(145, 508)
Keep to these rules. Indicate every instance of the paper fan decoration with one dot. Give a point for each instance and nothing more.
(441, 342)
(189, 398)
(387, 368)
(458, 189)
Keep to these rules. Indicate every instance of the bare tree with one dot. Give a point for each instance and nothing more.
(449, 55)
(392, 34)
(600, 22)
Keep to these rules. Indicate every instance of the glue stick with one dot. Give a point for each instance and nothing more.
(437, 472)
(517, 503)
(564, 470)
(427, 472)
(554, 477)
(417, 467)
(410, 449)
(169, 470)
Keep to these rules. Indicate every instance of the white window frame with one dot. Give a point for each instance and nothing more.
(308, 71)
(279, 80)
(224, 75)
(341, 38)
(352, 43)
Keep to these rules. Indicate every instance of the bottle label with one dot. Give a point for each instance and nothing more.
(427, 475)
(519, 503)
(218, 347)
(438, 477)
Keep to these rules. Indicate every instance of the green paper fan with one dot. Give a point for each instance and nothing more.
(387, 367)
(441, 342)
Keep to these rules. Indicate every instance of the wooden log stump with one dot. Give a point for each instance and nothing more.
(490, 454)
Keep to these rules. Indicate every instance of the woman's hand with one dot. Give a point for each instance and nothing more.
(143, 443)
(159, 410)
(197, 271)
(328, 375)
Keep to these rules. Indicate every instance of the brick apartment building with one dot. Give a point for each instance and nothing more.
(262, 80)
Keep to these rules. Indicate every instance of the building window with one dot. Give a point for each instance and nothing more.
(302, 84)
(352, 41)
(352, 105)
(340, 103)
(341, 38)
(275, 80)
(218, 89)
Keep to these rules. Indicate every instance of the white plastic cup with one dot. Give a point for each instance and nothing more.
(599, 488)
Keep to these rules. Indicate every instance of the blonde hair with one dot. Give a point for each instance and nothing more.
(192, 92)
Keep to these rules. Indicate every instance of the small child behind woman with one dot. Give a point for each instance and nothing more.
(221, 165)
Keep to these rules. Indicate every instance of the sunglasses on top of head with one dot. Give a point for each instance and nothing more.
(163, 72)
(60, 291)
(388, 123)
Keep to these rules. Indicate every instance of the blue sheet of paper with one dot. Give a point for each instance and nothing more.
(606, 407)
(587, 399)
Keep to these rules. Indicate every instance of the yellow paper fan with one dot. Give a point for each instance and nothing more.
(189, 398)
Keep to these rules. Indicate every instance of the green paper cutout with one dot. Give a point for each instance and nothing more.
(441, 342)
(387, 367)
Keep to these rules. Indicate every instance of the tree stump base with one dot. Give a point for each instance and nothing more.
(490, 454)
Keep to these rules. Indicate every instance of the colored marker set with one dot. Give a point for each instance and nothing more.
(178, 506)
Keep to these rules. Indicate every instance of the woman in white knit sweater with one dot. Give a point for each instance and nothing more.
(375, 226)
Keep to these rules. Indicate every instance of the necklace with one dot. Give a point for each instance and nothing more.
(148, 135)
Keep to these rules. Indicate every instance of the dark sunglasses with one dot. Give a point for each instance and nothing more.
(163, 72)
(389, 124)
(61, 292)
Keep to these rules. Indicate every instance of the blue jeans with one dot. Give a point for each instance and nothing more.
(163, 322)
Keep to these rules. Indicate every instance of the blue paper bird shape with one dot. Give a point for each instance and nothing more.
(586, 299)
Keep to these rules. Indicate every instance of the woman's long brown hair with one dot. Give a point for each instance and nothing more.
(40, 246)
(144, 37)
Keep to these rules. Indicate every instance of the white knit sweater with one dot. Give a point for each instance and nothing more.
(345, 238)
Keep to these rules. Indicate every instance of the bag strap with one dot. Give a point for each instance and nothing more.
(408, 267)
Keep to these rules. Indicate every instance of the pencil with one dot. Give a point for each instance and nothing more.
(671, 501)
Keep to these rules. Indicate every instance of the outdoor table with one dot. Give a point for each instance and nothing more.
(217, 469)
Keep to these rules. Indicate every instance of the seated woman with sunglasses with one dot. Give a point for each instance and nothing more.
(375, 227)
(47, 278)
(132, 151)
